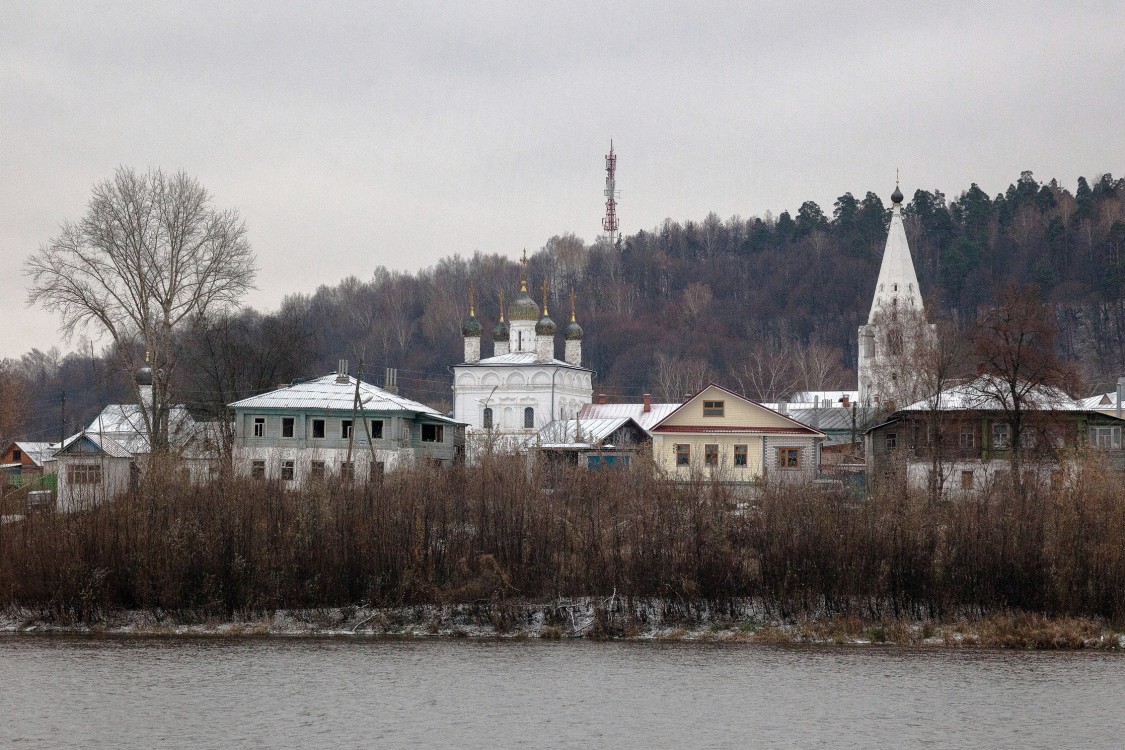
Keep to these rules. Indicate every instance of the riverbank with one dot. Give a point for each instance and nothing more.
(595, 619)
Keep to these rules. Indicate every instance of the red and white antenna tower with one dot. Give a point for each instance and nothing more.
(609, 223)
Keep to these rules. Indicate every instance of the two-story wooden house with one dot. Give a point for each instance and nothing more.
(961, 441)
(318, 429)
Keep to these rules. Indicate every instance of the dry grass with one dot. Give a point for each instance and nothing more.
(492, 534)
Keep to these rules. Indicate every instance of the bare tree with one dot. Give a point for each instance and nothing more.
(942, 358)
(767, 374)
(14, 400)
(676, 378)
(818, 367)
(150, 258)
(1015, 346)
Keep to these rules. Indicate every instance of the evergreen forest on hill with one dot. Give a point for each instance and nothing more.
(765, 305)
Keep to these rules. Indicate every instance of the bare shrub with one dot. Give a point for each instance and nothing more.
(494, 534)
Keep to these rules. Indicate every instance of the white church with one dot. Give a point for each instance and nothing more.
(522, 387)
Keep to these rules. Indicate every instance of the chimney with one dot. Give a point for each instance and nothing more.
(390, 380)
(601, 398)
(1120, 395)
(687, 397)
(783, 406)
(648, 403)
(342, 372)
(847, 401)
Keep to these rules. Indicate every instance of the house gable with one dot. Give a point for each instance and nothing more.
(738, 414)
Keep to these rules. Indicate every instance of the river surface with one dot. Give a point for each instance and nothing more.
(141, 692)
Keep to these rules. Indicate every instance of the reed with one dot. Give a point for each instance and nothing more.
(495, 533)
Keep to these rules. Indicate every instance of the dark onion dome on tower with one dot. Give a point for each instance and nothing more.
(545, 327)
(573, 331)
(501, 332)
(471, 328)
(896, 196)
(144, 375)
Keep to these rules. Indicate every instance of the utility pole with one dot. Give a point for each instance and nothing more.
(62, 417)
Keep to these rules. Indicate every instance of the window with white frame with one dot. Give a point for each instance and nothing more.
(1001, 435)
(1105, 437)
(259, 427)
(968, 438)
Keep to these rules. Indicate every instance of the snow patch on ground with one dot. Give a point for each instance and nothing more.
(585, 617)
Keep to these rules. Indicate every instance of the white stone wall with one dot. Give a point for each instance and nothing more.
(573, 354)
(510, 390)
(472, 348)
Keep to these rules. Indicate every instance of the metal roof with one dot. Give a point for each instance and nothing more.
(127, 419)
(37, 452)
(707, 430)
(1101, 402)
(988, 393)
(521, 358)
(825, 397)
(647, 420)
(104, 443)
(574, 432)
(328, 394)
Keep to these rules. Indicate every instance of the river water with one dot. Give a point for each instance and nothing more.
(61, 692)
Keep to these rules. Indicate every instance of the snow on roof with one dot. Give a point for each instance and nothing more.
(127, 419)
(37, 452)
(328, 394)
(521, 358)
(988, 393)
(1100, 401)
(647, 420)
(574, 432)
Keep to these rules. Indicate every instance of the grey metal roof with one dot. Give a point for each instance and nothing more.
(329, 395)
(987, 393)
(580, 432)
(521, 358)
(647, 420)
(127, 419)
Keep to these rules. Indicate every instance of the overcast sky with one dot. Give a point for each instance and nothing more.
(364, 134)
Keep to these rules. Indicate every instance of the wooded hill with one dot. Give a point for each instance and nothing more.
(765, 305)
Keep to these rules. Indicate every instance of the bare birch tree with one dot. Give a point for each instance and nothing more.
(150, 258)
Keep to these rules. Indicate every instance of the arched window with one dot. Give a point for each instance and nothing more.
(487, 418)
(529, 417)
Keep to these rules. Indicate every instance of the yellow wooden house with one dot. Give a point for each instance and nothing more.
(717, 434)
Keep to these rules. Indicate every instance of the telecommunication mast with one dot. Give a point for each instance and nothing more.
(609, 223)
